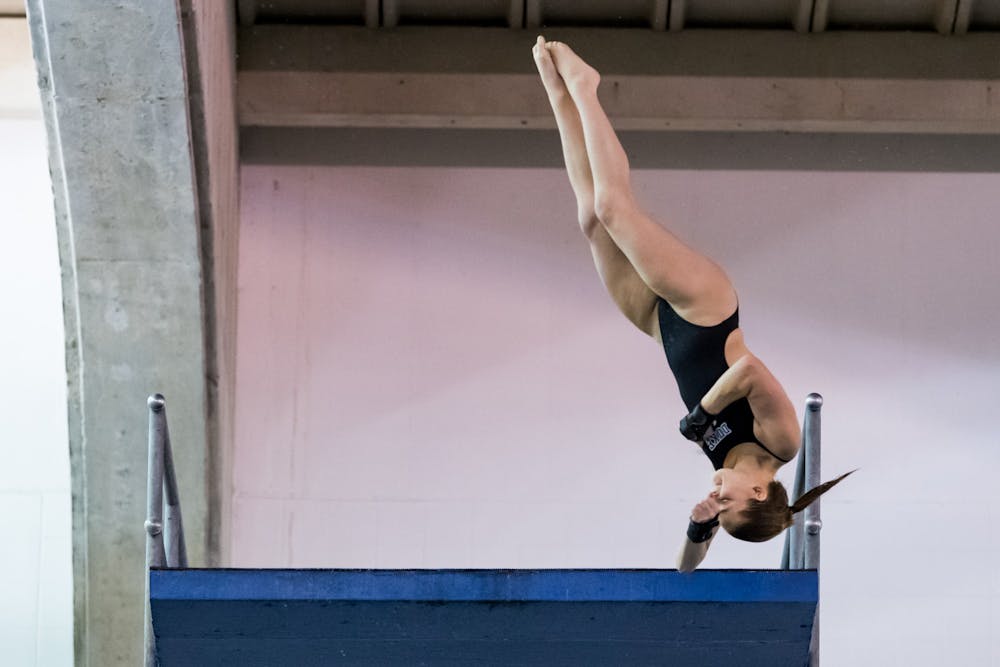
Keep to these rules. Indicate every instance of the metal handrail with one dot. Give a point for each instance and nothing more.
(792, 556)
(164, 525)
(165, 545)
(801, 550)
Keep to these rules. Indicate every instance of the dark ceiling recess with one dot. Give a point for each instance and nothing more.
(12, 9)
(944, 16)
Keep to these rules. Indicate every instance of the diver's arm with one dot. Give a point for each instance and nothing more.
(745, 377)
(736, 383)
(692, 553)
(775, 423)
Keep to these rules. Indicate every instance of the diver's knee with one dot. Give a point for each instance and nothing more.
(589, 223)
(612, 207)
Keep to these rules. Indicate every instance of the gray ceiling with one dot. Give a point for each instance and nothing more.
(943, 16)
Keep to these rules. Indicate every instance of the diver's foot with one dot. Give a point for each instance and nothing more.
(578, 75)
(554, 85)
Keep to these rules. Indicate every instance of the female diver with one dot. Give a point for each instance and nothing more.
(739, 413)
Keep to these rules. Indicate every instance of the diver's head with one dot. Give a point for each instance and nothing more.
(734, 488)
(754, 512)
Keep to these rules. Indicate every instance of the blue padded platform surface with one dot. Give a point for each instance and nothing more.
(483, 617)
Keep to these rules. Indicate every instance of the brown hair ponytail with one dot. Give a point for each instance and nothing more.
(763, 519)
(809, 497)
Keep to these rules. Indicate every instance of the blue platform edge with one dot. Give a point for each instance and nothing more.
(486, 585)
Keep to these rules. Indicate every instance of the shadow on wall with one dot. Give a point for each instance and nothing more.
(408, 147)
(919, 248)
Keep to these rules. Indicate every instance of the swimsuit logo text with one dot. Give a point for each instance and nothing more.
(713, 439)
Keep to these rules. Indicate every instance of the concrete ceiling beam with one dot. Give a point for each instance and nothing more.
(963, 15)
(702, 81)
(497, 101)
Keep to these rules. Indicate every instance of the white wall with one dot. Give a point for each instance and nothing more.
(36, 623)
(431, 375)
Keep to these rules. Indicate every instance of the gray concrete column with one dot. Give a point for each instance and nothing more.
(112, 80)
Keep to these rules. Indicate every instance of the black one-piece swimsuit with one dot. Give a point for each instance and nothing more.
(697, 357)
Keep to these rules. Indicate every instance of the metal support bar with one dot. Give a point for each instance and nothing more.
(821, 15)
(390, 13)
(515, 14)
(676, 17)
(165, 545)
(533, 14)
(813, 524)
(372, 16)
(801, 549)
(802, 546)
(791, 558)
(944, 16)
(659, 15)
(247, 11)
(164, 525)
(803, 15)
(963, 16)
(173, 529)
(155, 554)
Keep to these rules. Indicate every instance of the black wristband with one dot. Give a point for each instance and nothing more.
(700, 415)
(700, 532)
(696, 423)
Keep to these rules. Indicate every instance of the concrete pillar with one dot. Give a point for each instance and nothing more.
(112, 80)
(209, 29)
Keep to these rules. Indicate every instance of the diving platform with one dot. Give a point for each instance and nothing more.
(557, 617)
(483, 617)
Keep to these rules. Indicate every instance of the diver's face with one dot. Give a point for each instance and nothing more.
(732, 490)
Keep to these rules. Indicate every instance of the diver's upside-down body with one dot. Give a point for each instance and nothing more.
(738, 412)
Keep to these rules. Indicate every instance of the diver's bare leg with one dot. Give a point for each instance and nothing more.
(697, 287)
(629, 292)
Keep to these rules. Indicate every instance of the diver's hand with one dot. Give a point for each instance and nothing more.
(696, 423)
(706, 510)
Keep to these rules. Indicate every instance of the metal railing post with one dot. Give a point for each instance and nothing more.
(813, 524)
(165, 545)
(793, 556)
(173, 527)
(155, 555)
